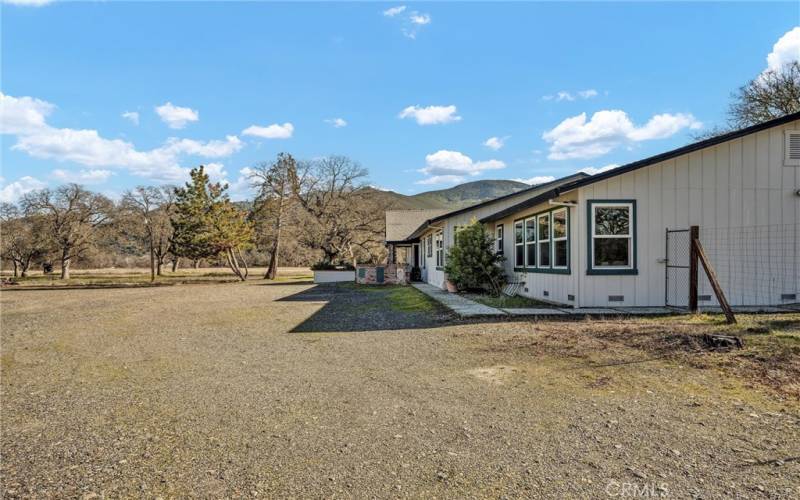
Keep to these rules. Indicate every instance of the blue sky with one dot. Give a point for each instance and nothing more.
(425, 95)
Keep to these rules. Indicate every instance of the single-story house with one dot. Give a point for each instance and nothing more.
(620, 238)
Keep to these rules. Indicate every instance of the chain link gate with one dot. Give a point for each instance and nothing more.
(676, 274)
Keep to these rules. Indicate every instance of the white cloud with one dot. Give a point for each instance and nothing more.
(28, 3)
(393, 11)
(12, 192)
(419, 19)
(495, 143)
(24, 117)
(785, 50)
(576, 137)
(452, 166)
(599, 170)
(132, 116)
(411, 23)
(539, 179)
(88, 148)
(274, 131)
(431, 115)
(337, 122)
(21, 115)
(563, 95)
(216, 172)
(208, 149)
(91, 176)
(175, 116)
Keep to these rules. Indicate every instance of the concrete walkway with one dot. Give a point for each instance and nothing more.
(468, 308)
(464, 307)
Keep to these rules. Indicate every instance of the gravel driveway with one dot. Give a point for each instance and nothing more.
(249, 390)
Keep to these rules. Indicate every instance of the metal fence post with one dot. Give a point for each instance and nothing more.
(694, 235)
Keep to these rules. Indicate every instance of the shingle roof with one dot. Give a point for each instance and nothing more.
(401, 223)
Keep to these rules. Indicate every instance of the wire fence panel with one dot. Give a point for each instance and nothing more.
(676, 288)
(756, 265)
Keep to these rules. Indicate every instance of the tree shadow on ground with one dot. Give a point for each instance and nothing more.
(363, 308)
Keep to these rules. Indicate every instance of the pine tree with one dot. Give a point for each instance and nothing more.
(472, 262)
(206, 224)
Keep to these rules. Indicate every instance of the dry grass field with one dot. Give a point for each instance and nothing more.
(289, 389)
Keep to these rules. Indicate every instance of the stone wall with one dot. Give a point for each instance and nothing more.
(386, 274)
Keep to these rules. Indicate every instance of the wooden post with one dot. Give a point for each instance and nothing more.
(694, 236)
(712, 278)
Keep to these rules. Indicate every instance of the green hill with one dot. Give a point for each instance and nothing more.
(455, 197)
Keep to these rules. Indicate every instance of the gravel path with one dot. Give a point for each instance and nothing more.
(252, 390)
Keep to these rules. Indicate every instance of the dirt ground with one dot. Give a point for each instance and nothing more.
(292, 390)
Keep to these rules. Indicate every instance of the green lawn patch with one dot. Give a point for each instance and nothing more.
(506, 302)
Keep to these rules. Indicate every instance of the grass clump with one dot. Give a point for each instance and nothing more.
(505, 302)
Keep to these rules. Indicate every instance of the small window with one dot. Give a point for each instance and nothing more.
(530, 242)
(543, 222)
(792, 155)
(612, 236)
(519, 248)
(422, 253)
(499, 239)
(560, 246)
(429, 246)
(439, 250)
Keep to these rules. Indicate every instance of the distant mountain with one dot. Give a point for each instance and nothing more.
(455, 197)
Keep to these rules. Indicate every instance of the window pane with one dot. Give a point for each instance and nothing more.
(559, 224)
(611, 252)
(544, 227)
(519, 257)
(518, 232)
(544, 254)
(531, 254)
(530, 230)
(561, 253)
(611, 220)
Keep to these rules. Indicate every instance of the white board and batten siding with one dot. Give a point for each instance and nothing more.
(448, 226)
(745, 200)
(550, 287)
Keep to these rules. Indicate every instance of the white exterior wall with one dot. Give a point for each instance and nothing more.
(558, 286)
(733, 191)
(738, 192)
(436, 277)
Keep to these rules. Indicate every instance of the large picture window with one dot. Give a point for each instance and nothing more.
(530, 242)
(499, 239)
(543, 221)
(439, 250)
(519, 246)
(612, 236)
(560, 245)
(542, 242)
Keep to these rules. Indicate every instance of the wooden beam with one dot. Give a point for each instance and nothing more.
(712, 278)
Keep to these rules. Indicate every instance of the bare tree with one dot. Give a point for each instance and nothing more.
(72, 216)
(770, 95)
(276, 184)
(151, 208)
(345, 218)
(23, 238)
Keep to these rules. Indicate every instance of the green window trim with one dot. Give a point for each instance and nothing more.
(590, 270)
(550, 269)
